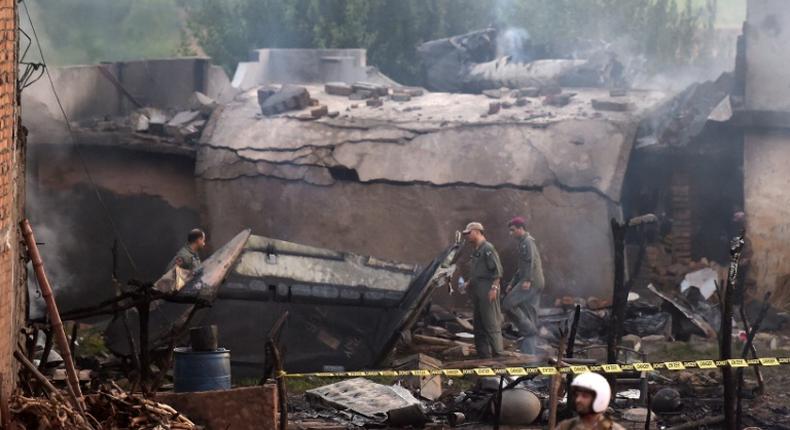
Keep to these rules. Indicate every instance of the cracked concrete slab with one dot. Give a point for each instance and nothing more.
(441, 139)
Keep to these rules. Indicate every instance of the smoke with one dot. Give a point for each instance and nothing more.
(53, 234)
(515, 43)
(55, 242)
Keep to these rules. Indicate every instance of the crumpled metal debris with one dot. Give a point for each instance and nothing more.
(375, 401)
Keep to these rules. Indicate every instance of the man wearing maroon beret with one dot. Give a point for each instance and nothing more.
(523, 291)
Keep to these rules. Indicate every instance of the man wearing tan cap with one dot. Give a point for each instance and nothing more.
(485, 275)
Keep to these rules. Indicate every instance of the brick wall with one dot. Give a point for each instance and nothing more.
(11, 196)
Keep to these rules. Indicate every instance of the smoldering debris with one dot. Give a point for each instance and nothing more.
(473, 63)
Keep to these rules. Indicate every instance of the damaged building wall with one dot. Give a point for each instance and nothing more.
(396, 181)
(12, 189)
(412, 223)
(767, 144)
(151, 198)
(146, 181)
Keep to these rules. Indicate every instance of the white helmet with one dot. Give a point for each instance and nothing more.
(597, 384)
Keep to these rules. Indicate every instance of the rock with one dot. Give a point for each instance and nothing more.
(507, 105)
(265, 92)
(139, 122)
(338, 89)
(618, 92)
(529, 92)
(631, 341)
(596, 303)
(411, 91)
(177, 126)
(611, 105)
(314, 102)
(183, 118)
(493, 94)
(156, 120)
(398, 97)
(360, 95)
(558, 100)
(666, 400)
(638, 415)
(521, 101)
(203, 103)
(550, 89)
(333, 114)
(375, 102)
(493, 107)
(374, 89)
(319, 111)
(289, 97)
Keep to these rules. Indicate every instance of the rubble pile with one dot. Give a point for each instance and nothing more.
(178, 126)
(274, 100)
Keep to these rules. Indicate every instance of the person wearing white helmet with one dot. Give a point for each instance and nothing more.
(590, 394)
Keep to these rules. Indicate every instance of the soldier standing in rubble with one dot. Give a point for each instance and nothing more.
(523, 292)
(485, 276)
(187, 257)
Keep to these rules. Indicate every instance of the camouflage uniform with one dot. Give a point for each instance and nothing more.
(185, 259)
(604, 423)
(485, 268)
(520, 304)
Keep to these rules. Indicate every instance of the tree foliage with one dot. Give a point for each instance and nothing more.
(662, 31)
(87, 31)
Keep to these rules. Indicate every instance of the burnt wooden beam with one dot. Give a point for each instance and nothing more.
(725, 333)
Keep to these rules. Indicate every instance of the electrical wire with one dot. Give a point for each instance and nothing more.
(76, 145)
(26, 77)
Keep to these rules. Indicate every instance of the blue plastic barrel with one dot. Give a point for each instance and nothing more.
(201, 370)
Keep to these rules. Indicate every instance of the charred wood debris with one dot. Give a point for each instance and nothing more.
(707, 318)
(691, 310)
(635, 325)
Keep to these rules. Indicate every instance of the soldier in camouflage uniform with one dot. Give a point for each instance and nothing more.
(523, 291)
(485, 276)
(187, 257)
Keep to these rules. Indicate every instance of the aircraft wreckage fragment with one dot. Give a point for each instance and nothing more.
(345, 310)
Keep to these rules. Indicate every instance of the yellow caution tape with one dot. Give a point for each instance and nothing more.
(554, 370)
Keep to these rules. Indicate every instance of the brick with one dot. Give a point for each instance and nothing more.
(252, 407)
(11, 197)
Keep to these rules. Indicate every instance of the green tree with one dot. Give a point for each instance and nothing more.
(89, 31)
(665, 32)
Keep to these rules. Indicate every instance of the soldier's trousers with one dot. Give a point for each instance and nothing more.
(522, 308)
(487, 323)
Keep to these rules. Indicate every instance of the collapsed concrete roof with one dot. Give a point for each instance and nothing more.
(438, 139)
(395, 180)
(425, 166)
